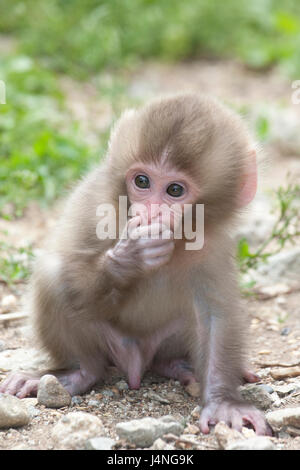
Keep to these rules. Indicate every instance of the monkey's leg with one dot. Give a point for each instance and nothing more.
(76, 381)
(177, 369)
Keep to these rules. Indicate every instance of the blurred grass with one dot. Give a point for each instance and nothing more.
(41, 148)
(80, 37)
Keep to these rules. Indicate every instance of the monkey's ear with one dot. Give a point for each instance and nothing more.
(249, 181)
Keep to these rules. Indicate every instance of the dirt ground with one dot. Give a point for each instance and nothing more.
(274, 324)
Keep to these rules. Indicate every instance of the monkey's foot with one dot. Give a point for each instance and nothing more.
(234, 415)
(177, 369)
(20, 384)
(78, 381)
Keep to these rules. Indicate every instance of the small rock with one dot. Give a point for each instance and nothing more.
(193, 389)
(31, 403)
(266, 388)
(255, 443)
(159, 444)
(122, 385)
(2, 345)
(51, 393)
(256, 395)
(9, 303)
(286, 389)
(281, 418)
(93, 403)
(284, 372)
(196, 412)
(99, 443)
(75, 428)
(275, 399)
(108, 393)
(158, 398)
(285, 331)
(13, 412)
(225, 435)
(143, 432)
(292, 431)
(191, 429)
(174, 397)
(76, 400)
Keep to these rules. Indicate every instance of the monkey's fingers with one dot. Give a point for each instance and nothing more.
(132, 224)
(158, 251)
(153, 231)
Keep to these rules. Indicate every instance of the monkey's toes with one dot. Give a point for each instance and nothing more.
(235, 416)
(20, 385)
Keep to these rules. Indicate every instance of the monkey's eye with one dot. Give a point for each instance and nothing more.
(142, 181)
(175, 190)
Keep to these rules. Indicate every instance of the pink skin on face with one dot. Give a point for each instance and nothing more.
(160, 178)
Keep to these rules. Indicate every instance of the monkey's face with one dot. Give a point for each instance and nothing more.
(159, 193)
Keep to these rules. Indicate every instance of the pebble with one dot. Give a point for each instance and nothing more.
(154, 396)
(99, 443)
(122, 385)
(143, 432)
(191, 429)
(286, 389)
(93, 403)
(13, 412)
(286, 417)
(76, 400)
(51, 393)
(257, 396)
(266, 388)
(196, 412)
(159, 444)
(2, 346)
(225, 435)
(284, 372)
(75, 428)
(193, 389)
(255, 443)
(8, 304)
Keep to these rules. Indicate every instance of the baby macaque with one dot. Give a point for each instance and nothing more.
(142, 302)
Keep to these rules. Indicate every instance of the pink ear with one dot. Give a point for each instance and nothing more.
(249, 182)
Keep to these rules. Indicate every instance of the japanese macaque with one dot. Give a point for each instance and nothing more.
(147, 303)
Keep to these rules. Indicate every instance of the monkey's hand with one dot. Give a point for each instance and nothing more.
(234, 414)
(146, 247)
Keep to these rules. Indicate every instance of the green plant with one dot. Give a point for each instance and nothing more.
(285, 229)
(15, 263)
